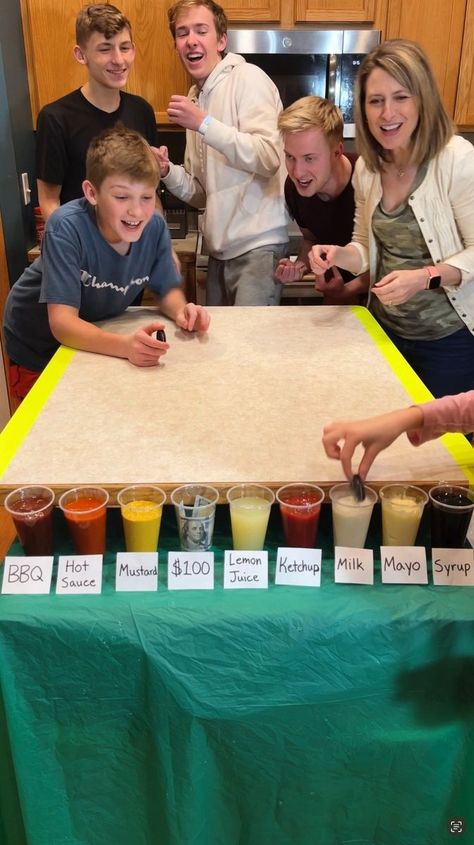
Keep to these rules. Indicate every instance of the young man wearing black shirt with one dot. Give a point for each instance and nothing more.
(66, 127)
(318, 188)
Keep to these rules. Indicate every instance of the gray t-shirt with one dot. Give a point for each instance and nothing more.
(78, 267)
(428, 315)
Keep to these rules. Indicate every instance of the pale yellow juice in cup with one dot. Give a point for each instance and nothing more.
(141, 525)
(249, 518)
(400, 521)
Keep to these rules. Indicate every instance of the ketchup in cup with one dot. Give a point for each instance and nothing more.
(300, 507)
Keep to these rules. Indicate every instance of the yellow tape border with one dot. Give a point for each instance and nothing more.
(456, 444)
(22, 421)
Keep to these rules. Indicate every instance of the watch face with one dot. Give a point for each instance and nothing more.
(434, 283)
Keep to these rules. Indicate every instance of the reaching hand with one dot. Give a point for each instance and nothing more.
(321, 258)
(341, 438)
(290, 271)
(183, 111)
(331, 286)
(161, 155)
(193, 318)
(399, 286)
(143, 349)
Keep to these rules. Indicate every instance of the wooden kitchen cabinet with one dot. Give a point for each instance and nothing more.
(464, 112)
(253, 11)
(438, 27)
(336, 11)
(445, 30)
(290, 12)
(49, 32)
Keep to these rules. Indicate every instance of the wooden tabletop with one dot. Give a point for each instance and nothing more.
(245, 402)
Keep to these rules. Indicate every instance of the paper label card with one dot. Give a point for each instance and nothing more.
(403, 565)
(27, 575)
(298, 567)
(190, 570)
(245, 569)
(79, 574)
(136, 572)
(453, 567)
(353, 566)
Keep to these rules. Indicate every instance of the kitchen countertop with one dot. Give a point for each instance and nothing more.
(246, 402)
(185, 248)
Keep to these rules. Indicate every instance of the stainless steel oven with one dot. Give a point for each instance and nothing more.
(301, 62)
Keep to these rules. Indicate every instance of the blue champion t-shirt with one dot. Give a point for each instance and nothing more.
(78, 267)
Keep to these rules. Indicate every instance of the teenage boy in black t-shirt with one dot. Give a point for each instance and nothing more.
(318, 188)
(66, 127)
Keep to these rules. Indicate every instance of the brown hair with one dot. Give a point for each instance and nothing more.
(220, 18)
(406, 62)
(100, 17)
(313, 113)
(121, 151)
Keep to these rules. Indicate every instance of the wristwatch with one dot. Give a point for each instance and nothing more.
(434, 278)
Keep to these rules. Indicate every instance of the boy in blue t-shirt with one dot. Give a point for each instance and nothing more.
(98, 253)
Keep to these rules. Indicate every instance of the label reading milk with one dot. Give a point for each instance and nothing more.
(353, 566)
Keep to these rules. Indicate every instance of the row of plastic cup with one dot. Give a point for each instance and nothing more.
(141, 507)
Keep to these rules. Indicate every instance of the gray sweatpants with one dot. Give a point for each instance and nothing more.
(247, 279)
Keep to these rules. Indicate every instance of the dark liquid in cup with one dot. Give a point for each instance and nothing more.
(35, 530)
(449, 528)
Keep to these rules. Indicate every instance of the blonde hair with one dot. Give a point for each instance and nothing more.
(313, 113)
(121, 151)
(100, 17)
(407, 63)
(220, 18)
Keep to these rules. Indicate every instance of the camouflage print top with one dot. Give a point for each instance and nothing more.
(428, 315)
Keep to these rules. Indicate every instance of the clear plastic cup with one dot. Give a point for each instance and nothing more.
(300, 507)
(85, 510)
(31, 509)
(249, 514)
(195, 509)
(451, 512)
(402, 509)
(351, 517)
(141, 506)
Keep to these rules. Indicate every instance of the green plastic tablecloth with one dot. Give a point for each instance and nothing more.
(289, 716)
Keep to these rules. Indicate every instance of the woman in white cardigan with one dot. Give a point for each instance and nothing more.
(414, 220)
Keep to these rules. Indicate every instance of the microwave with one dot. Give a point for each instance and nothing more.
(301, 62)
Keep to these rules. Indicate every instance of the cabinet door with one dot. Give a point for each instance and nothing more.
(327, 11)
(252, 11)
(438, 27)
(464, 113)
(49, 31)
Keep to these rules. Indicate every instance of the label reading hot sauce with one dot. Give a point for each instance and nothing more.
(86, 519)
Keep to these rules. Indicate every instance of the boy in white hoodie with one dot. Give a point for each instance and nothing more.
(232, 164)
